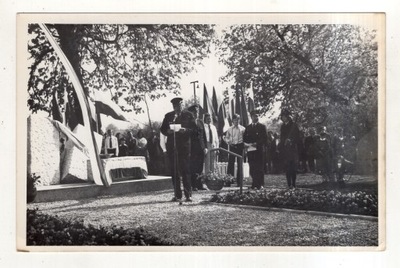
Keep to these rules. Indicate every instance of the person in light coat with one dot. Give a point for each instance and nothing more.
(234, 138)
(212, 141)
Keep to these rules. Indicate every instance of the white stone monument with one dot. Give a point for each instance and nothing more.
(43, 150)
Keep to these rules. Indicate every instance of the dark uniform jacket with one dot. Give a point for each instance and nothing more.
(198, 137)
(183, 140)
(257, 134)
(290, 138)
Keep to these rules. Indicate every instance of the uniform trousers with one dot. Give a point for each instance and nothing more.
(237, 149)
(180, 167)
(256, 165)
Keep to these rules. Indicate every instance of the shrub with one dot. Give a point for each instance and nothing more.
(329, 201)
(48, 230)
(32, 180)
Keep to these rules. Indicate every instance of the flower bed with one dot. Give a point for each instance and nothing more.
(48, 230)
(328, 201)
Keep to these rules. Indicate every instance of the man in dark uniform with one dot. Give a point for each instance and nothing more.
(178, 147)
(288, 147)
(197, 149)
(254, 138)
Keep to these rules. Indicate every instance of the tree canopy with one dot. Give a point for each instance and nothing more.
(129, 61)
(326, 74)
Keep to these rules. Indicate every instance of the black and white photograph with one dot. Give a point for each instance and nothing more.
(201, 131)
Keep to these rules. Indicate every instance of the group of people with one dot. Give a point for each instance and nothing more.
(333, 155)
(315, 152)
(136, 145)
(190, 144)
(127, 145)
(191, 140)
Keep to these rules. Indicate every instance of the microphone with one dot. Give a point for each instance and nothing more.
(176, 116)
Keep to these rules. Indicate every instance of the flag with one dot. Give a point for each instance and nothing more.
(214, 101)
(208, 107)
(251, 106)
(71, 136)
(73, 112)
(55, 109)
(237, 102)
(104, 105)
(107, 109)
(244, 115)
(96, 165)
(223, 123)
(230, 106)
(205, 99)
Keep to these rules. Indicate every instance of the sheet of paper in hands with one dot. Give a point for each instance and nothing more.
(175, 127)
(250, 147)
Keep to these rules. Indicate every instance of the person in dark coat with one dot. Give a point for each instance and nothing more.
(197, 150)
(269, 153)
(123, 148)
(309, 147)
(288, 147)
(179, 146)
(324, 154)
(254, 138)
(156, 155)
(131, 142)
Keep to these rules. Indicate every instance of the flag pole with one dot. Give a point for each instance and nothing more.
(194, 90)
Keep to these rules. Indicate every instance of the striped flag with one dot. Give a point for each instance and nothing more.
(223, 123)
(244, 115)
(251, 106)
(214, 100)
(231, 106)
(238, 108)
(208, 107)
(55, 108)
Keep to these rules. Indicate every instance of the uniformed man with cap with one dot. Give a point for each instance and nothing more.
(254, 138)
(178, 126)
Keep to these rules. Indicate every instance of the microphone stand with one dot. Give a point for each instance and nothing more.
(175, 159)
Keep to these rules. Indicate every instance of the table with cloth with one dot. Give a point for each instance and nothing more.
(125, 168)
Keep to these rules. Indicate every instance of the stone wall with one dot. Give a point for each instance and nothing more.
(49, 160)
(43, 150)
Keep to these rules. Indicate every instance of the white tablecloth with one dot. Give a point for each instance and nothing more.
(127, 167)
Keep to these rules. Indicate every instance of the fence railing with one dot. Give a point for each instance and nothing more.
(240, 163)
